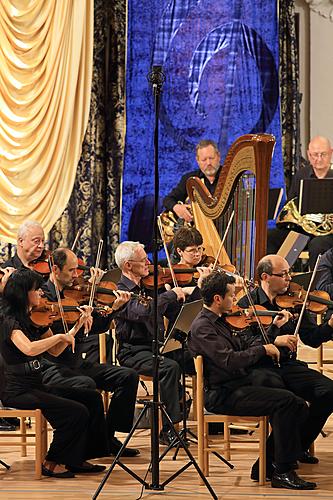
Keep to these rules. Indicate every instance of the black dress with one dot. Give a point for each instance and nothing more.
(76, 415)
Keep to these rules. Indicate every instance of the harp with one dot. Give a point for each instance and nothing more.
(243, 186)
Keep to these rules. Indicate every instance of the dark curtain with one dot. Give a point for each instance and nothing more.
(94, 204)
(289, 88)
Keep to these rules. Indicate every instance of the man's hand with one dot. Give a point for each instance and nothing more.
(122, 298)
(179, 292)
(272, 351)
(283, 317)
(183, 211)
(97, 273)
(289, 341)
(203, 272)
(330, 321)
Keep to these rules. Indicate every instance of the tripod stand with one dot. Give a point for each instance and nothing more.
(156, 78)
(4, 464)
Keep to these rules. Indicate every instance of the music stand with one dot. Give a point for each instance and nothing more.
(176, 340)
(315, 196)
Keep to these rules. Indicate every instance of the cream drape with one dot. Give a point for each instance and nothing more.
(46, 50)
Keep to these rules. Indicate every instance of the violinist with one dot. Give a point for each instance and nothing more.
(188, 245)
(71, 370)
(30, 245)
(76, 415)
(208, 159)
(229, 358)
(134, 329)
(295, 375)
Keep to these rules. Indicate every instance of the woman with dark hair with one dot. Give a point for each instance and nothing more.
(76, 415)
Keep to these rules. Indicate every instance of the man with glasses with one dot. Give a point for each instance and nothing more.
(135, 329)
(319, 155)
(292, 374)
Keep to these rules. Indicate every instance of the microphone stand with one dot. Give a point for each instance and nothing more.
(156, 78)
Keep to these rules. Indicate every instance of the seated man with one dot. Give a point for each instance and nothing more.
(208, 159)
(134, 329)
(325, 281)
(319, 155)
(293, 374)
(231, 389)
(72, 370)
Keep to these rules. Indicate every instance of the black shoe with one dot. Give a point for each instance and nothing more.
(50, 473)
(218, 428)
(255, 471)
(292, 481)
(306, 458)
(115, 446)
(14, 421)
(6, 426)
(86, 469)
(167, 437)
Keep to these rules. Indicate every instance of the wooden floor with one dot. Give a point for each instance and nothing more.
(18, 483)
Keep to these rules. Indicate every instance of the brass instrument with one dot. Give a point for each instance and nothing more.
(314, 224)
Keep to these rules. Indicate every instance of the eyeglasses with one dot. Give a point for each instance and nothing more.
(281, 275)
(193, 251)
(317, 156)
(141, 261)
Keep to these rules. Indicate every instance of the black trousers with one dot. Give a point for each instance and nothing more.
(309, 385)
(122, 382)
(286, 412)
(77, 418)
(140, 358)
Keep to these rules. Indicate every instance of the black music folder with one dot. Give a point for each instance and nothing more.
(183, 323)
(304, 279)
(316, 196)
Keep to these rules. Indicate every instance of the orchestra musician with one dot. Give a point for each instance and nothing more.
(319, 155)
(292, 374)
(134, 330)
(30, 245)
(230, 388)
(325, 266)
(208, 159)
(70, 370)
(76, 415)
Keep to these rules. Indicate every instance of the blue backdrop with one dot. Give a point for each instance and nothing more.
(220, 59)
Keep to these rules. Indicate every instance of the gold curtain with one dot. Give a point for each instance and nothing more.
(46, 50)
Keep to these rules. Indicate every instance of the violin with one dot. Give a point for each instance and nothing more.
(80, 292)
(47, 312)
(239, 318)
(318, 300)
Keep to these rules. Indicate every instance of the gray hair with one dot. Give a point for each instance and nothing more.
(126, 251)
(204, 143)
(24, 228)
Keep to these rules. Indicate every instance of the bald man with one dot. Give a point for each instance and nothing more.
(292, 374)
(319, 155)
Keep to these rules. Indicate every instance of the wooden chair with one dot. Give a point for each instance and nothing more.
(21, 436)
(204, 418)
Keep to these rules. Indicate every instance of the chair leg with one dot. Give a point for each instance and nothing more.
(227, 439)
(206, 452)
(39, 444)
(262, 451)
(23, 432)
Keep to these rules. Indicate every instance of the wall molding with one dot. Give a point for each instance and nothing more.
(322, 7)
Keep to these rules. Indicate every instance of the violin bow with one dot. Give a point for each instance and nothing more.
(97, 263)
(78, 234)
(223, 240)
(57, 291)
(257, 317)
(300, 317)
(160, 227)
